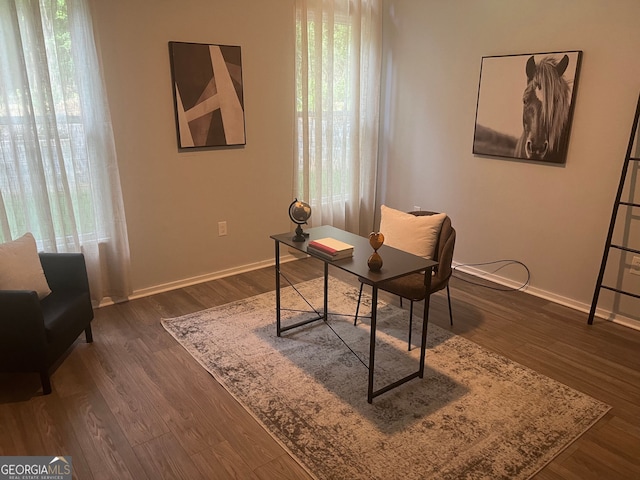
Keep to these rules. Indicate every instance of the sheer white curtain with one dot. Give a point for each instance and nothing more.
(58, 171)
(338, 61)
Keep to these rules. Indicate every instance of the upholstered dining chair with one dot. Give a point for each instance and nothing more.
(412, 286)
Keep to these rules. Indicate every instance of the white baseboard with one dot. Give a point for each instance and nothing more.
(187, 282)
(552, 297)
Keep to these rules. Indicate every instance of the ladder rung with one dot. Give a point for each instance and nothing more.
(632, 151)
(620, 291)
(626, 249)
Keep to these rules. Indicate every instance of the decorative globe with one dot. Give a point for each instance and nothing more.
(299, 213)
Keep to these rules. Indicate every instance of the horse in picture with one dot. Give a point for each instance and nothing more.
(545, 113)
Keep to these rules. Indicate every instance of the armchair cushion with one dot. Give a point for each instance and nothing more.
(20, 267)
(63, 309)
(413, 234)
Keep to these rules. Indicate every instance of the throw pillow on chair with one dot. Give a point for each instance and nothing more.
(426, 234)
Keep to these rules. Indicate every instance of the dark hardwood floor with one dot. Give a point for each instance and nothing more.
(135, 405)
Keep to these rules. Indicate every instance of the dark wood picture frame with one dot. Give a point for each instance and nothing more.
(525, 105)
(208, 94)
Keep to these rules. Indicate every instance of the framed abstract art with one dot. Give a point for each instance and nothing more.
(208, 95)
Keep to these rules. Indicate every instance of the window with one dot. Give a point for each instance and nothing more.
(58, 169)
(325, 115)
(337, 96)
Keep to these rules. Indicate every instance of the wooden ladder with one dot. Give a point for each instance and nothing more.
(631, 157)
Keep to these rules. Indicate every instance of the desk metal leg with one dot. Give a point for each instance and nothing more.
(326, 291)
(278, 330)
(372, 342)
(425, 322)
(372, 347)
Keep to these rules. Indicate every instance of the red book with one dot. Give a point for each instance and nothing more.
(331, 247)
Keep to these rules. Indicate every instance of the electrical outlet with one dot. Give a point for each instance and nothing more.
(635, 266)
(222, 228)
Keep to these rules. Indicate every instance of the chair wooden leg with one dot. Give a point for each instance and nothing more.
(355, 320)
(410, 323)
(88, 334)
(450, 311)
(46, 382)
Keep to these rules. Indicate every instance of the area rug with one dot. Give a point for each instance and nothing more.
(475, 414)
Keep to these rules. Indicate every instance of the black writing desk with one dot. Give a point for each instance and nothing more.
(396, 264)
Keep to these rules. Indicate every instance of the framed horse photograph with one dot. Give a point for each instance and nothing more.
(525, 105)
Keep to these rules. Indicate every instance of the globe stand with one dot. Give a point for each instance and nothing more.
(300, 236)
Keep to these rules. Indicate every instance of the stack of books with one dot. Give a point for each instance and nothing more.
(330, 249)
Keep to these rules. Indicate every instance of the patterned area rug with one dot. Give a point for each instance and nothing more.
(475, 414)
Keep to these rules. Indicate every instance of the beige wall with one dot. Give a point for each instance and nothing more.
(173, 200)
(552, 218)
